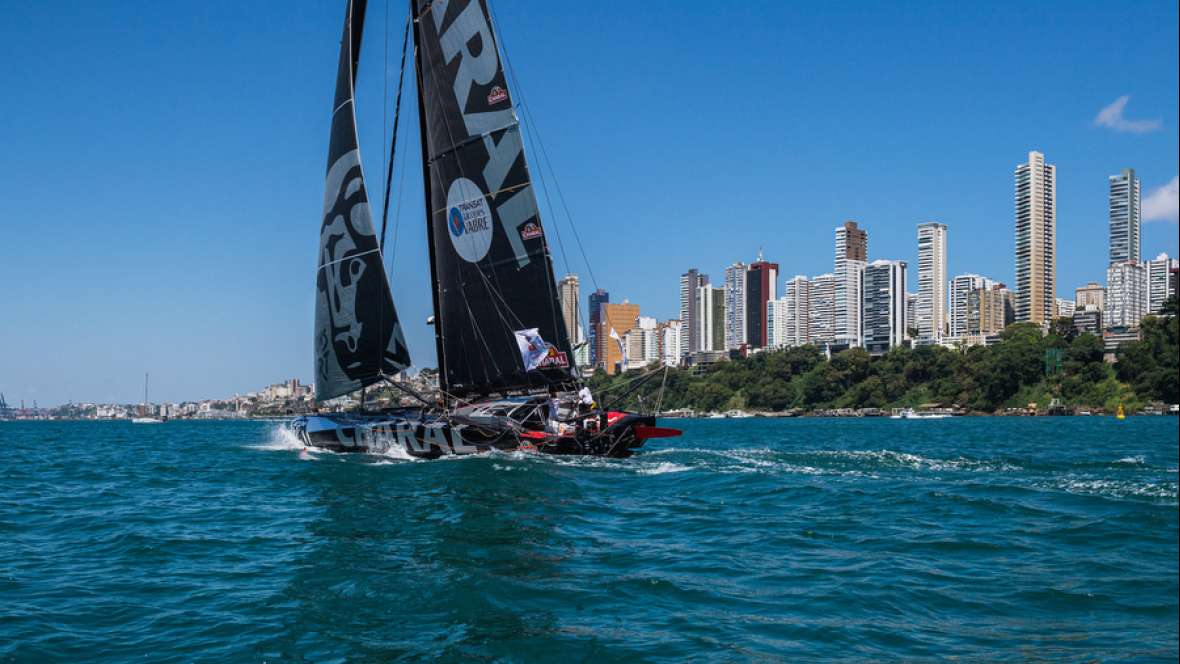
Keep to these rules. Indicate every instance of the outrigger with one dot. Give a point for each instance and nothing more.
(506, 372)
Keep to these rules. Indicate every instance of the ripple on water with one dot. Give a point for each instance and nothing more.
(973, 538)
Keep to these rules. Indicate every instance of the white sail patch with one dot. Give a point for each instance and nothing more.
(469, 220)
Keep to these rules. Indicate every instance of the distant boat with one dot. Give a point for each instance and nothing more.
(737, 414)
(144, 418)
(911, 414)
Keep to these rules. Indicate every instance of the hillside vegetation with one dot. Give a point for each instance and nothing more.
(1026, 366)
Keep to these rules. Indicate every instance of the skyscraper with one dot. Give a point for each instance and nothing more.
(798, 312)
(711, 317)
(1036, 239)
(821, 314)
(690, 282)
(852, 242)
(1124, 217)
(567, 292)
(848, 302)
(776, 323)
(930, 309)
(1126, 295)
(1159, 281)
(597, 299)
(735, 306)
(761, 286)
(884, 324)
(852, 246)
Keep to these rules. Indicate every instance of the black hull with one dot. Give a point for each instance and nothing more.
(429, 437)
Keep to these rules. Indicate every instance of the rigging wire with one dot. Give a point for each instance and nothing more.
(397, 107)
(543, 154)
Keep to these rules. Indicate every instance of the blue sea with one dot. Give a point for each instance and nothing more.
(983, 539)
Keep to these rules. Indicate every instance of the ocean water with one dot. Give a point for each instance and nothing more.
(983, 539)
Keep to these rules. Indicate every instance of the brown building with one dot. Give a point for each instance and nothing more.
(852, 241)
(761, 287)
(620, 318)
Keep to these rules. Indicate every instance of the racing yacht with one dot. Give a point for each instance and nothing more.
(507, 379)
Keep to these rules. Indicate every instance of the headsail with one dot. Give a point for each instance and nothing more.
(491, 267)
(357, 335)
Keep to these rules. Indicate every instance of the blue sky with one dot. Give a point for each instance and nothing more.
(162, 169)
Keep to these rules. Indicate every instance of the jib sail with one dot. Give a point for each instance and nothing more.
(357, 335)
(490, 260)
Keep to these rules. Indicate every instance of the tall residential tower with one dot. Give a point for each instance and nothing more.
(930, 309)
(1036, 240)
(1124, 217)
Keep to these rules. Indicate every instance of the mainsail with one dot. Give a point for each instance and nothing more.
(490, 260)
(357, 335)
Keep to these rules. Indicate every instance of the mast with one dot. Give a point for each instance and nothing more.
(426, 191)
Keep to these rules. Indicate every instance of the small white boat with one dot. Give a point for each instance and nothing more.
(144, 418)
(911, 414)
(736, 414)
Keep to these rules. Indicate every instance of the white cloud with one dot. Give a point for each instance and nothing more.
(1162, 203)
(1111, 117)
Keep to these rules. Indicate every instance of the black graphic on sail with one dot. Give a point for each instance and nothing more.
(357, 335)
(492, 270)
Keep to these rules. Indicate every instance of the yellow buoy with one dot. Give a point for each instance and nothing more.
(1120, 414)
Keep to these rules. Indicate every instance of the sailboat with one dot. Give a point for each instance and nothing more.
(144, 418)
(507, 379)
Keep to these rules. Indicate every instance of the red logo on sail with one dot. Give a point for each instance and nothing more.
(555, 358)
(497, 95)
(530, 231)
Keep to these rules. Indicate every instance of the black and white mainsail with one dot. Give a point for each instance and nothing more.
(492, 271)
(358, 339)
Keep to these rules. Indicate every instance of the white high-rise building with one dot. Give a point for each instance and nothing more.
(1126, 295)
(776, 323)
(848, 302)
(960, 288)
(690, 284)
(798, 313)
(1036, 240)
(1124, 217)
(821, 314)
(883, 323)
(852, 250)
(647, 328)
(669, 340)
(930, 308)
(735, 305)
(705, 321)
(568, 292)
(1158, 281)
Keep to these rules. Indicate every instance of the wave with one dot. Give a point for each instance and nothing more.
(280, 438)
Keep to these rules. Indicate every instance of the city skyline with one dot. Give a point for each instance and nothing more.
(212, 294)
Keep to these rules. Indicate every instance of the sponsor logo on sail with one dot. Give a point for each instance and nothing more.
(469, 220)
(497, 95)
(555, 358)
(530, 231)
